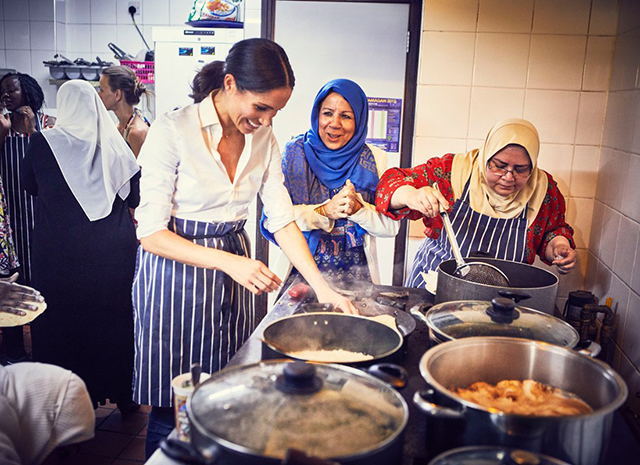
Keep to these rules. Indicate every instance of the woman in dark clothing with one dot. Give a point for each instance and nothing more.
(21, 101)
(84, 243)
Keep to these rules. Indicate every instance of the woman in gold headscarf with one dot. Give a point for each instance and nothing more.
(499, 201)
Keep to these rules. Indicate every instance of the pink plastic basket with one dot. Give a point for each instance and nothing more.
(143, 69)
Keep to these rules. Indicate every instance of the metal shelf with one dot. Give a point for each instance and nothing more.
(59, 82)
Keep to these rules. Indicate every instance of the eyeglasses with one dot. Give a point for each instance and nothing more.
(501, 170)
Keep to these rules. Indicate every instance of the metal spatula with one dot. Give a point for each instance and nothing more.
(476, 272)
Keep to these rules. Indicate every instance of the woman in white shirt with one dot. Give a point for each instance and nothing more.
(202, 166)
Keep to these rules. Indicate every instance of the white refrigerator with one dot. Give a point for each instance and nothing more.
(180, 52)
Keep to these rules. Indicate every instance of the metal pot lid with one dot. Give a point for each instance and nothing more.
(500, 317)
(326, 411)
(476, 455)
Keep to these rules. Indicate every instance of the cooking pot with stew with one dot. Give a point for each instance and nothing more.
(257, 414)
(541, 285)
(454, 421)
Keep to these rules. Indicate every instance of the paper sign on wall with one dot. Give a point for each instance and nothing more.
(384, 123)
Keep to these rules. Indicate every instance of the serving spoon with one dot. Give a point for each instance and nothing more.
(477, 272)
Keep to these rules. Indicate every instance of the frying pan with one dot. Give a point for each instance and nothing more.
(331, 331)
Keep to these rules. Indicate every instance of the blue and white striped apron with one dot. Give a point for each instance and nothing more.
(20, 204)
(184, 314)
(502, 238)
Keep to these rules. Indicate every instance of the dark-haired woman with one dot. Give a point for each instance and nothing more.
(202, 166)
(202, 86)
(21, 100)
(120, 90)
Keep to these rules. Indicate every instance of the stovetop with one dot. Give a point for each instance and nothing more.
(417, 343)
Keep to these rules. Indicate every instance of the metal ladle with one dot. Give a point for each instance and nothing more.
(476, 272)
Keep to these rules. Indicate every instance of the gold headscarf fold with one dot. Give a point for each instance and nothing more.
(471, 166)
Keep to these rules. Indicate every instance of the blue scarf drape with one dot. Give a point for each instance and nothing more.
(313, 173)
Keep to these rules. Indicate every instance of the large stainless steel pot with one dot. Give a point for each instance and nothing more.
(251, 415)
(541, 285)
(455, 422)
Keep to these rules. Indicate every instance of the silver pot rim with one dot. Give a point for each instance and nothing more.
(492, 260)
(388, 353)
(439, 336)
(239, 448)
(452, 453)
(469, 342)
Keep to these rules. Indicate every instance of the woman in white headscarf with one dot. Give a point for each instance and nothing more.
(85, 178)
(44, 408)
(500, 203)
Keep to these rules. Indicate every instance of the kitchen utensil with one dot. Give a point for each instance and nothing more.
(252, 414)
(65, 60)
(331, 331)
(476, 272)
(73, 72)
(196, 371)
(118, 53)
(486, 455)
(56, 70)
(500, 317)
(540, 284)
(453, 421)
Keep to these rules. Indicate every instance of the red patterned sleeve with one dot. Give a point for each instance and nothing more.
(435, 170)
(550, 222)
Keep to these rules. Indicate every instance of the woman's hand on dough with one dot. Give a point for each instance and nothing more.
(330, 296)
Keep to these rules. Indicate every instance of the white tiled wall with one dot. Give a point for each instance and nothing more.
(543, 60)
(84, 29)
(614, 254)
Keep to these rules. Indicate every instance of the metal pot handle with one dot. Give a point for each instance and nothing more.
(391, 373)
(435, 410)
(184, 452)
(418, 312)
(517, 296)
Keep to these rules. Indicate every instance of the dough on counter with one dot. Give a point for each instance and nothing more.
(387, 320)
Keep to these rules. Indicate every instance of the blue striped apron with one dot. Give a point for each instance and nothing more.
(20, 204)
(502, 238)
(184, 314)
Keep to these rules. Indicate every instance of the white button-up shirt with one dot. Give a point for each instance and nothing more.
(183, 174)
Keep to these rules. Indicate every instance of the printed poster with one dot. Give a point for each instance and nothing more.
(384, 123)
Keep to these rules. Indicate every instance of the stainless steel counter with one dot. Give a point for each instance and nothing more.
(624, 448)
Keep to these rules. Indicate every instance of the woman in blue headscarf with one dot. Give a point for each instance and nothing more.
(331, 175)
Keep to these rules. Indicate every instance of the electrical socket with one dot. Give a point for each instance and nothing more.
(137, 6)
